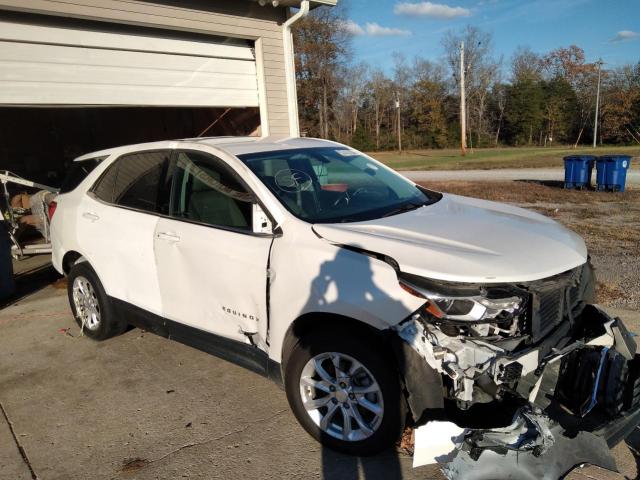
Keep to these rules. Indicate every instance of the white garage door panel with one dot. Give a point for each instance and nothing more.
(70, 56)
(83, 38)
(55, 64)
(42, 73)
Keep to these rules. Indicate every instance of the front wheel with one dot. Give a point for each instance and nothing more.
(345, 392)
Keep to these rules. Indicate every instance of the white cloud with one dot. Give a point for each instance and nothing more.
(623, 35)
(428, 9)
(373, 30)
(353, 28)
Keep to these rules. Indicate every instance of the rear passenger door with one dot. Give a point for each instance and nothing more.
(212, 267)
(117, 221)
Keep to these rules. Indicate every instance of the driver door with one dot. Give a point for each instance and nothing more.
(212, 267)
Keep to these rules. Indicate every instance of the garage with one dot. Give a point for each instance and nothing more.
(82, 76)
(80, 86)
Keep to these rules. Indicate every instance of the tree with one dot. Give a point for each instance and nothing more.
(545, 95)
(497, 105)
(347, 104)
(429, 114)
(569, 63)
(323, 47)
(526, 65)
(481, 70)
(380, 91)
(523, 112)
(560, 106)
(620, 100)
(427, 95)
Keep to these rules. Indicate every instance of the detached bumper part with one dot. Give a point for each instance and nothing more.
(477, 460)
(571, 405)
(492, 454)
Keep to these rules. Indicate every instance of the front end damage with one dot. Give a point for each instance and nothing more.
(540, 379)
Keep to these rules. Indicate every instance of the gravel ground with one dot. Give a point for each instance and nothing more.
(609, 223)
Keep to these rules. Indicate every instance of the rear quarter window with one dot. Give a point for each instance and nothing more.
(78, 172)
(136, 180)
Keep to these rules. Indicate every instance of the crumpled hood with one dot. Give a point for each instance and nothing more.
(464, 239)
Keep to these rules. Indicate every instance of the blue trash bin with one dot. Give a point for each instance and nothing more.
(7, 284)
(612, 172)
(578, 170)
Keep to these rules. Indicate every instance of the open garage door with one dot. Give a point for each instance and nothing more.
(69, 87)
(69, 65)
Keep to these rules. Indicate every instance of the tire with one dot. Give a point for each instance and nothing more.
(384, 429)
(86, 294)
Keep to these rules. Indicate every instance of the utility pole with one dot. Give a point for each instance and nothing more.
(463, 107)
(595, 120)
(399, 124)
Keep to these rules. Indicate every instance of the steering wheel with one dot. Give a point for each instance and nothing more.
(346, 198)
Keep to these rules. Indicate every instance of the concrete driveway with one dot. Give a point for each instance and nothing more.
(140, 406)
(539, 174)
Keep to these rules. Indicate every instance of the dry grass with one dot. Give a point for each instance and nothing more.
(607, 292)
(492, 158)
(532, 192)
(407, 441)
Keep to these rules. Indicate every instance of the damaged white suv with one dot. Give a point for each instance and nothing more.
(373, 300)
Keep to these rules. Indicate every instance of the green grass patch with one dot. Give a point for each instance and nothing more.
(492, 158)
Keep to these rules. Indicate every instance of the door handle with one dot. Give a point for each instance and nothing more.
(168, 236)
(90, 216)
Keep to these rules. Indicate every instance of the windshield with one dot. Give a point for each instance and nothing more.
(335, 184)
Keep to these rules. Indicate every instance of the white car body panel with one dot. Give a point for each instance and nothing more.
(129, 271)
(463, 239)
(212, 279)
(311, 276)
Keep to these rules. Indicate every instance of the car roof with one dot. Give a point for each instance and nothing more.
(232, 145)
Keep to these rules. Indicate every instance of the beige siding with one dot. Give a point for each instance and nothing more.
(235, 18)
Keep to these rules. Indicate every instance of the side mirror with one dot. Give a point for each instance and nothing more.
(261, 222)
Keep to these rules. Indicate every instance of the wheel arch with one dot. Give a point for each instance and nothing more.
(69, 259)
(321, 322)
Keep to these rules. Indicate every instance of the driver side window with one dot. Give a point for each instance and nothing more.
(206, 191)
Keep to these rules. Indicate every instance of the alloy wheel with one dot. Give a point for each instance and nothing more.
(86, 303)
(341, 396)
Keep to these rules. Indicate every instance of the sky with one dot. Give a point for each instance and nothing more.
(607, 29)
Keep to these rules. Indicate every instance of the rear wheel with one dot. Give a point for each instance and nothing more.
(345, 393)
(90, 304)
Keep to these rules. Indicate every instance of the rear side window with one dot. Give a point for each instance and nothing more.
(138, 181)
(78, 172)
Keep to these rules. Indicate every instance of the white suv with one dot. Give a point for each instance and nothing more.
(373, 300)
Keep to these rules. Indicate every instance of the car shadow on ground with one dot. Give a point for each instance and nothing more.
(30, 281)
(384, 466)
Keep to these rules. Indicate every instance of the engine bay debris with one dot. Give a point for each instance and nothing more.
(571, 401)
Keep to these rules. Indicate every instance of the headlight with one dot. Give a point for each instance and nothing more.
(466, 305)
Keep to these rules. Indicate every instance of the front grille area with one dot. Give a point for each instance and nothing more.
(550, 308)
(552, 299)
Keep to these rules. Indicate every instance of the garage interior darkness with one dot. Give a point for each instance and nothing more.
(39, 143)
